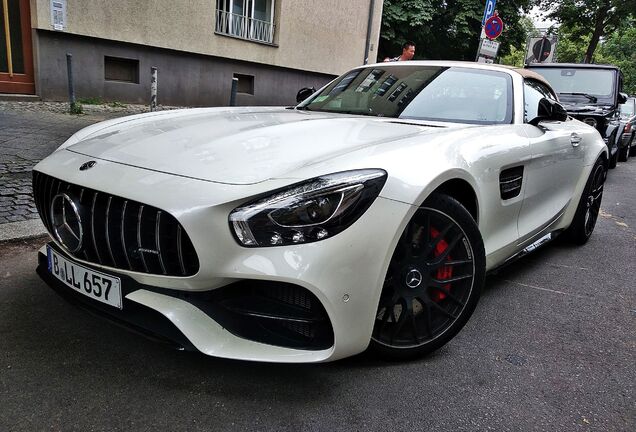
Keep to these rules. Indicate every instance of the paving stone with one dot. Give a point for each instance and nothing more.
(15, 218)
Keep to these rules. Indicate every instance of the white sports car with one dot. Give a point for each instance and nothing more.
(366, 216)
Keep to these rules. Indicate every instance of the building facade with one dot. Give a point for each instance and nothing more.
(273, 47)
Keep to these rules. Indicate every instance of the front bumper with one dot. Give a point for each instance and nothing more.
(344, 273)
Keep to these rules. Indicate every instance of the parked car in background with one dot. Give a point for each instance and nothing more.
(628, 123)
(591, 93)
(367, 215)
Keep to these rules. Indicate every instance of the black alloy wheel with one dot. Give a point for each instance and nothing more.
(433, 282)
(589, 207)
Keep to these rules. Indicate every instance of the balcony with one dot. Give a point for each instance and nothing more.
(244, 27)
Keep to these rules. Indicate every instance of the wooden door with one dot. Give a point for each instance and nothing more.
(16, 51)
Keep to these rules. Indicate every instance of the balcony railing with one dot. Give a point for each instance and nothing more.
(244, 27)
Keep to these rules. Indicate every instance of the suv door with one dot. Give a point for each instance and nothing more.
(555, 164)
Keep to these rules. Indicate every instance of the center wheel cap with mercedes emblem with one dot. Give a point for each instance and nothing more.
(413, 278)
(67, 222)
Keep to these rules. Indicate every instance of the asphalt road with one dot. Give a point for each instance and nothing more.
(551, 347)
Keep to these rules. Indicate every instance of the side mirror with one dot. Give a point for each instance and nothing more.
(549, 110)
(304, 93)
(622, 98)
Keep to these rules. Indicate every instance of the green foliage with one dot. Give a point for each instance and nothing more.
(588, 20)
(620, 49)
(446, 29)
(91, 100)
(76, 108)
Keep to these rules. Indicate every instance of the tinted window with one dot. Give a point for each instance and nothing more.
(420, 92)
(533, 92)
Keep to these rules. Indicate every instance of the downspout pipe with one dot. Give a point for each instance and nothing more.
(367, 43)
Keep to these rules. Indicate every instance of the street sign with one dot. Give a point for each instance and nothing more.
(493, 28)
(541, 49)
(488, 11)
(488, 48)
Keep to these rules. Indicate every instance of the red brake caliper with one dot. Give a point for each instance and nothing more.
(445, 272)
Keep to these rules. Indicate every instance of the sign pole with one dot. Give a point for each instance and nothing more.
(489, 10)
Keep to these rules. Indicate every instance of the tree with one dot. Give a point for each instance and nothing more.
(446, 29)
(592, 18)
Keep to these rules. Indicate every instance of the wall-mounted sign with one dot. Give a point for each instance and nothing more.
(58, 14)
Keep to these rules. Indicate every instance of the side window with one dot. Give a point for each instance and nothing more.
(533, 92)
(531, 98)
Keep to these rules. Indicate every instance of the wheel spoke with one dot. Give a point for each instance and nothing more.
(403, 318)
(450, 295)
(441, 282)
(427, 321)
(443, 311)
(439, 259)
(442, 263)
(431, 245)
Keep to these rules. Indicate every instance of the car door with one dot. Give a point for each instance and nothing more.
(554, 167)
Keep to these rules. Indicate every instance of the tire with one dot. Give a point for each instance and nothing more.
(632, 147)
(613, 161)
(623, 153)
(582, 225)
(433, 282)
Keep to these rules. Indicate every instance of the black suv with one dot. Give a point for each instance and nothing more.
(590, 93)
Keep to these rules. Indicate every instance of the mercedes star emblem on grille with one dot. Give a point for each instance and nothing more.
(66, 222)
(413, 278)
(87, 165)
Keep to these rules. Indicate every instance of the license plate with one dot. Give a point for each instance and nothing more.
(93, 284)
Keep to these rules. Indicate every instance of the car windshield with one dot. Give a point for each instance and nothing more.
(437, 93)
(587, 84)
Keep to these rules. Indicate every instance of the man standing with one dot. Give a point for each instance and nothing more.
(408, 51)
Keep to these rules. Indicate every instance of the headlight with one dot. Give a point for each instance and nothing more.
(309, 211)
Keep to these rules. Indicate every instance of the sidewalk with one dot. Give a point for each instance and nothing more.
(30, 131)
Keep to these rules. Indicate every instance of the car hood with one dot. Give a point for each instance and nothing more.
(241, 145)
(586, 109)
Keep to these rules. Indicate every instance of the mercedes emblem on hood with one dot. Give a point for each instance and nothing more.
(87, 165)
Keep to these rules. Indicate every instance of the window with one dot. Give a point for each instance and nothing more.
(245, 84)
(121, 69)
(246, 19)
(533, 92)
(420, 92)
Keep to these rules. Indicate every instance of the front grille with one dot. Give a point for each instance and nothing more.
(121, 233)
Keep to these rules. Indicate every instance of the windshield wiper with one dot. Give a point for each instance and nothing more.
(591, 98)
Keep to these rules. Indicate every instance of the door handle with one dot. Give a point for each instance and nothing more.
(575, 139)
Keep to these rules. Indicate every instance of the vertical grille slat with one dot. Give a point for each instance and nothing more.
(99, 258)
(123, 237)
(110, 249)
(139, 244)
(180, 251)
(158, 242)
(116, 228)
(81, 200)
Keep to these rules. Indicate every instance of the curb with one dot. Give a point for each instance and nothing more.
(22, 230)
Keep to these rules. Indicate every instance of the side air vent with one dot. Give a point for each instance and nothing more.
(510, 182)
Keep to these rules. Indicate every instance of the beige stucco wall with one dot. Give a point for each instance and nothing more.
(326, 36)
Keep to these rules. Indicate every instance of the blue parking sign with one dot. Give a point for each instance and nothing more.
(488, 11)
